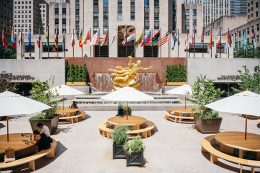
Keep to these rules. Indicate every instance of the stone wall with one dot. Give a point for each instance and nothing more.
(101, 65)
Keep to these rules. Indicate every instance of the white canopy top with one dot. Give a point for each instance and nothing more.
(181, 90)
(64, 90)
(246, 102)
(15, 104)
(127, 94)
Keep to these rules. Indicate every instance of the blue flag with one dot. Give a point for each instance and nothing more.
(29, 39)
(244, 41)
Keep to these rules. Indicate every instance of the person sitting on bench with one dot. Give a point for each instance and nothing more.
(44, 129)
(74, 106)
(42, 141)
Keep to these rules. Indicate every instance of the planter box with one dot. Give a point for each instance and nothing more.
(76, 83)
(175, 83)
(118, 151)
(208, 125)
(135, 159)
(52, 124)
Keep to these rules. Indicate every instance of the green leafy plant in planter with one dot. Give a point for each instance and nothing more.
(39, 93)
(134, 152)
(124, 109)
(204, 92)
(119, 137)
(176, 73)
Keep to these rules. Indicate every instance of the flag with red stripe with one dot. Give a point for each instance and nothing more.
(164, 39)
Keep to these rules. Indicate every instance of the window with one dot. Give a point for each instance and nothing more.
(194, 12)
(119, 10)
(257, 27)
(156, 14)
(105, 13)
(63, 11)
(56, 11)
(132, 10)
(256, 4)
(56, 21)
(63, 21)
(194, 22)
(146, 14)
(256, 14)
(95, 13)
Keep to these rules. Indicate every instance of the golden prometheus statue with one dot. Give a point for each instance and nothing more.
(127, 76)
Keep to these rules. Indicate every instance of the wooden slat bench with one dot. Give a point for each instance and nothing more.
(74, 118)
(49, 153)
(144, 133)
(178, 119)
(216, 154)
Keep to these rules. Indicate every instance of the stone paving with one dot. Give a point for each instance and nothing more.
(174, 148)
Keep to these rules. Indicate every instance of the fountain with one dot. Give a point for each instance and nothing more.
(103, 82)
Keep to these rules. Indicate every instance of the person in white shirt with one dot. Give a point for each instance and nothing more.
(44, 129)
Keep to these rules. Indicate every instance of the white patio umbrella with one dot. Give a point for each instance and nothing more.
(14, 104)
(181, 90)
(127, 94)
(64, 90)
(246, 102)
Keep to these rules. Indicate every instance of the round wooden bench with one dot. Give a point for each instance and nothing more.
(216, 154)
(144, 133)
(74, 118)
(178, 119)
(49, 153)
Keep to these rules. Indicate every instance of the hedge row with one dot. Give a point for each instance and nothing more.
(176, 73)
(77, 73)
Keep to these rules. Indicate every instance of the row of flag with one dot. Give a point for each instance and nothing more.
(149, 39)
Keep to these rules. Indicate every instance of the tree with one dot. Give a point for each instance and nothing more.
(6, 82)
(7, 53)
(204, 92)
(249, 81)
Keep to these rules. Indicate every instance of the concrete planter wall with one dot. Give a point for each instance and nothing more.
(208, 125)
(135, 159)
(175, 83)
(118, 151)
(76, 83)
(52, 124)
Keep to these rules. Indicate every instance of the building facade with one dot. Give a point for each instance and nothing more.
(238, 7)
(44, 8)
(6, 18)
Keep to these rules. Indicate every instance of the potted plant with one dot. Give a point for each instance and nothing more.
(134, 152)
(204, 92)
(123, 110)
(39, 92)
(119, 137)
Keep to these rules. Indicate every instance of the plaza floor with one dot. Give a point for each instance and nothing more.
(173, 148)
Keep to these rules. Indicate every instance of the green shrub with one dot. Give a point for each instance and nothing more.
(204, 92)
(134, 145)
(77, 73)
(176, 73)
(124, 109)
(119, 135)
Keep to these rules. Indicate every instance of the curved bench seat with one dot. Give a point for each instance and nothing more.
(178, 119)
(49, 153)
(74, 118)
(215, 154)
(144, 133)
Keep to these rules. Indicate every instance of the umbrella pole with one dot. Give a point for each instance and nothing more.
(63, 102)
(246, 128)
(185, 101)
(7, 126)
(126, 110)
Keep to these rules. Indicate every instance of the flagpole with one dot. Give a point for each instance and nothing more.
(64, 44)
(178, 44)
(30, 43)
(211, 42)
(21, 41)
(39, 42)
(228, 42)
(194, 42)
(98, 42)
(90, 42)
(126, 40)
(169, 42)
(160, 46)
(152, 42)
(48, 42)
(108, 41)
(57, 35)
(134, 43)
(220, 42)
(82, 37)
(73, 43)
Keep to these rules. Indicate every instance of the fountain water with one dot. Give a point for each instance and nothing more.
(103, 82)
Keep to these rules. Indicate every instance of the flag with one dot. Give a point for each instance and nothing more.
(156, 37)
(87, 37)
(228, 44)
(114, 37)
(13, 38)
(253, 40)
(219, 37)
(104, 40)
(236, 39)
(72, 39)
(4, 42)
(125, 35)
(20, 41)
(80, 40)
(39, 40)
(175, 39)
(164, 39)
(131, 37)
(47, 33)
(95, 39)
(193, 38)
(63, 41)
(186, 41)
(139, 38)
(210, 40)
(244, 40)
(56, 40)
(202, 40)
(29, 39)
(147, 39)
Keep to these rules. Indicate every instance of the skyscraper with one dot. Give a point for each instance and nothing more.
(238, 7)
(6, 17)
